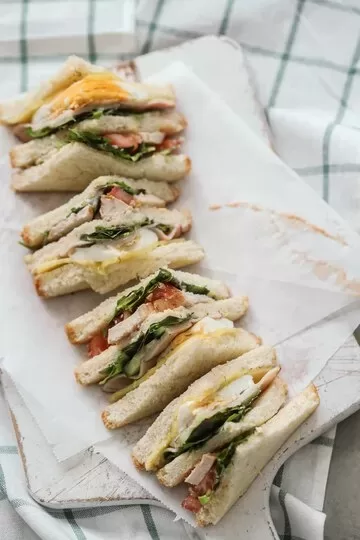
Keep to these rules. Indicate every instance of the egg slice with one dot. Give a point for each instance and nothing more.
(100, 90)
(235, 393)
(107, 251)
(208, 325)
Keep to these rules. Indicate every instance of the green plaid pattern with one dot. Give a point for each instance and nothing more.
(304, 60)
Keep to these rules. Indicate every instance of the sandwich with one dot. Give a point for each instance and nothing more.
(124, 312)
(222, 431)
(106, 253)
(93, 202)
(192, 352)
(238, 464)
(93, 124)
(225, 403)
(120, 327)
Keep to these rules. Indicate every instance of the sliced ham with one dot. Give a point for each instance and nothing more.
(120, 194)
(130, 324)
(207, 484)
(175, 233)
(268, 378)
(70, 222)
(21, 132)
(201, 469)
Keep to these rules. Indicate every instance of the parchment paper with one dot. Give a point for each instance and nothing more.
(280, 244)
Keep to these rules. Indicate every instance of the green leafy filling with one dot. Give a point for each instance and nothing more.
(44, 132)
(223, 460)
(113, 232)
(166, 229)
(209, 427)
(135, 298)
(195, 289)
(100, 142)
(128, 353)
(204, 499)
(39, 133)
(125, 187)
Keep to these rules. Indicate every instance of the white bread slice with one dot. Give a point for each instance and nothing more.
(22, 109)
(180, 365)
(264, 408)
(34, 232)
(230, 308)
(168, 122)
(252, 455)
(34, 152)
(83, 328)
(70, 278)
(75, 165)
(148, 451)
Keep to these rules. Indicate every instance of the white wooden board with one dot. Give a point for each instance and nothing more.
(90, 480)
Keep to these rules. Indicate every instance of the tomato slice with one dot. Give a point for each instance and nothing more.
(166, 296)
(124, 140)
(120, 194)
(97, 345)
(169, 143)
(192, 504)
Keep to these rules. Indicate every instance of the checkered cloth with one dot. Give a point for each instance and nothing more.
(303, 56)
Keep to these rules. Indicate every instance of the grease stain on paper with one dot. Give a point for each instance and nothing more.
(294, 220)
(325, 271)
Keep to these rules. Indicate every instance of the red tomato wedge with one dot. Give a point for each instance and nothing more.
(166, 296)
(120, 194)
(97, 345)
(168, 143)
(124, 140)
(192, 504)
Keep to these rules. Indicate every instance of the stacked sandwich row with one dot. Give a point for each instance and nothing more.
(167, 343)
(86, 122)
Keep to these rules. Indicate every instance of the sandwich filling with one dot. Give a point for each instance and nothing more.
(169, 330)
(163, 291)
(198, 420)
(209, 473)
(107, 245)
(207, 325)
(101, 204)
(136, 358)
(100, 91)
(101, 96)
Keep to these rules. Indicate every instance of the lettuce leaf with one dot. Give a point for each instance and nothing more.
(99, 142)
(125, 187)
(135, 298)
(209, 427)
(44, 132)
(39, 133)
(113, 232)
